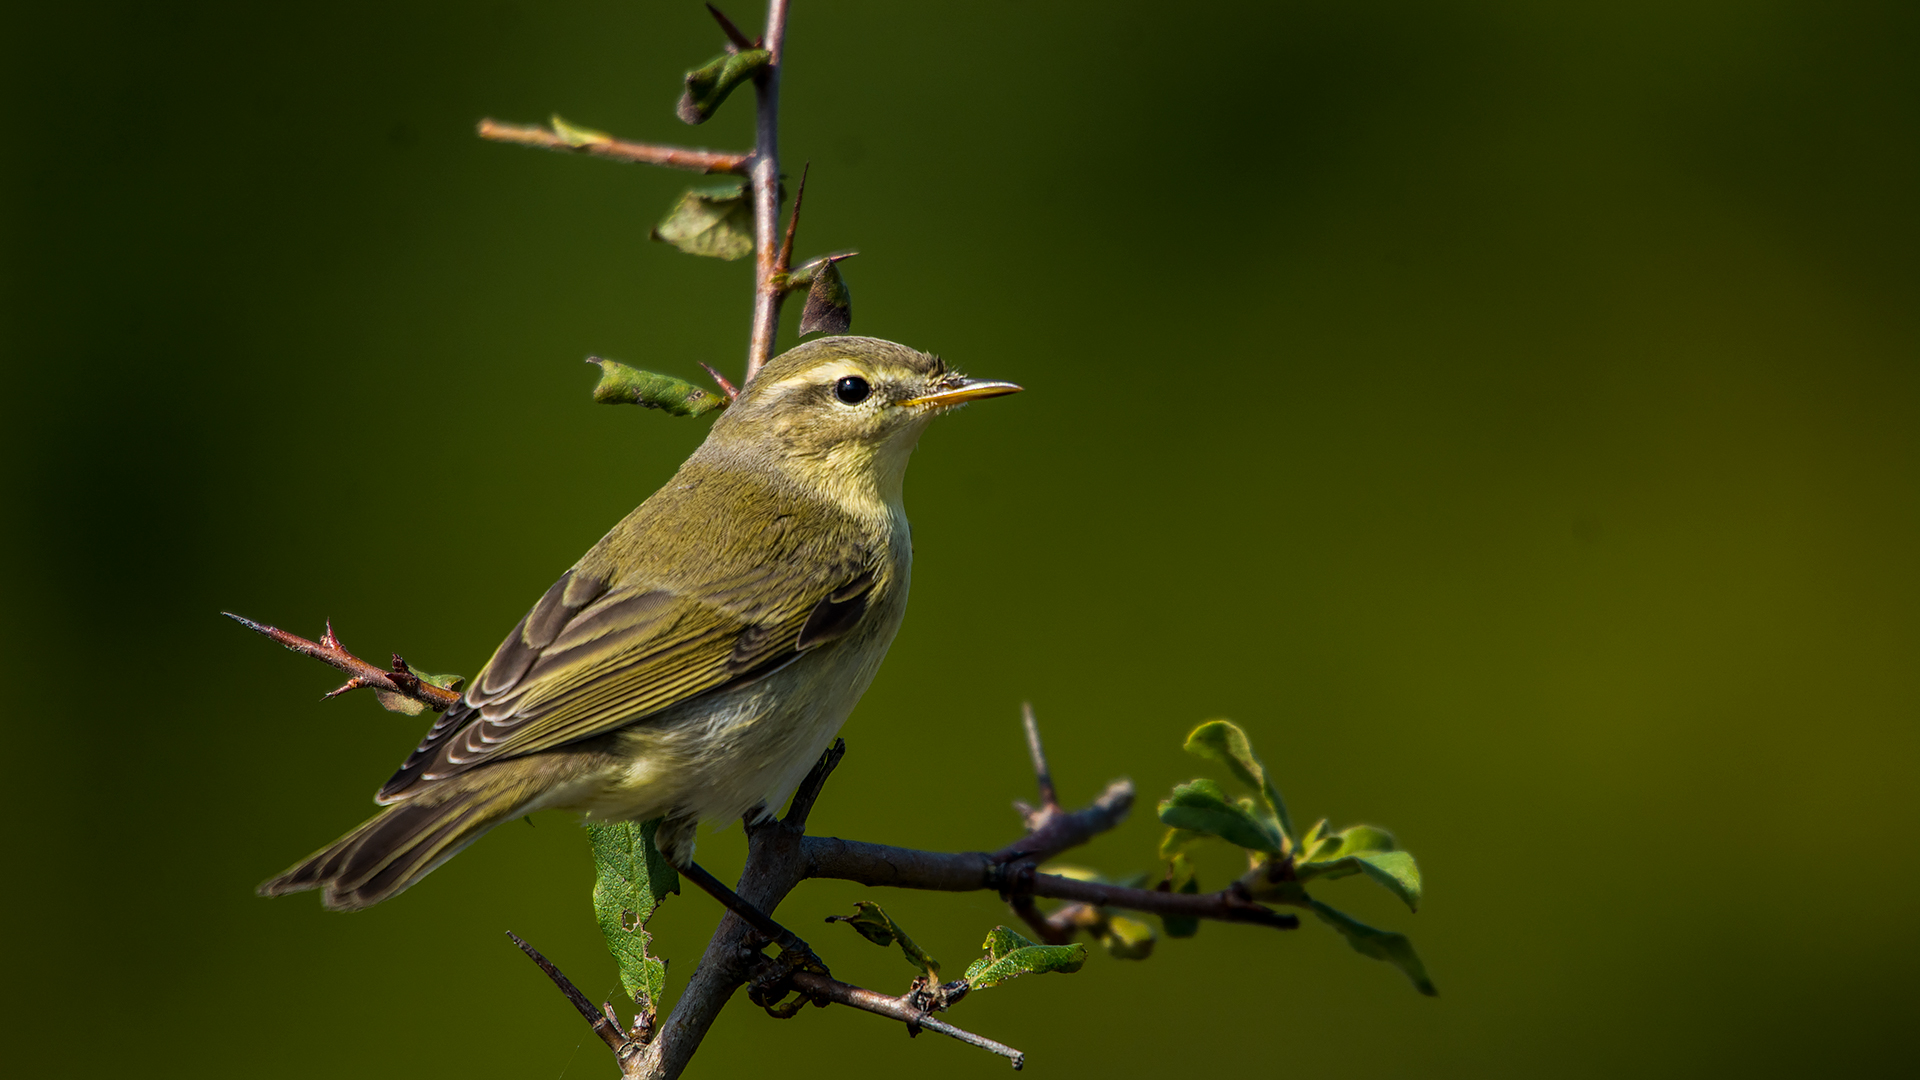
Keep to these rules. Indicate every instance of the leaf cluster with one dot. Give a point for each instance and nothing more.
(1281, 860)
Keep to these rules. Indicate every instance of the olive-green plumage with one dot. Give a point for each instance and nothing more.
(696, 662)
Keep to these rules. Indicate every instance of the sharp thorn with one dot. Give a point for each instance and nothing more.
(785, 258)
(733, 393)
(739, 40)
(354, 683)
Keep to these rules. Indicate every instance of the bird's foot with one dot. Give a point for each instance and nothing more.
(772, 978)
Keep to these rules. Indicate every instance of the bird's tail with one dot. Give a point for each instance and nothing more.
(404, 843)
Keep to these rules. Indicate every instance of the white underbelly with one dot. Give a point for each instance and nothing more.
(720, 756)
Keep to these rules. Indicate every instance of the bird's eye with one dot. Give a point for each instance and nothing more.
(852, 390)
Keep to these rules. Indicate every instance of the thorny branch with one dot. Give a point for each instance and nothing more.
(605, 1024)
(761, 167)
(780, 855)
(765, 173)
(823, 989)
(399, 680)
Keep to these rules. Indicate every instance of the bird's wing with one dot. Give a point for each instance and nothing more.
(592, 656)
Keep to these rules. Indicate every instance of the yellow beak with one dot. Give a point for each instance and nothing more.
(969, 390)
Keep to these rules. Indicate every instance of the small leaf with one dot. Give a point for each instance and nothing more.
(1360, 839)
(1202, 806)
(1396, 872)
(407, 706)
(716, 221)
(1177, 841)
(623, 385)
(1181, 878)
(1364, 849)
(1314, 840)
(873, 923)
(578, 136)
(1127, 939)
(1385, 945)
(709, 85)
(632, 878)
(829, 302)
(1010, 956)
(1223, 741)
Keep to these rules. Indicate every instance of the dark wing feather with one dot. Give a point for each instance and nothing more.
(590, 658)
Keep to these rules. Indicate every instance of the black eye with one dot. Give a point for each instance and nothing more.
(852, 390)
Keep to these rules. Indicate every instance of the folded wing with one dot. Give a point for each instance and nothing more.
(594, 656)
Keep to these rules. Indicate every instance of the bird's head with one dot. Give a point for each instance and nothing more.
(842, 414)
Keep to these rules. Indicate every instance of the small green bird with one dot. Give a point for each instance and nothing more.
(696, 663)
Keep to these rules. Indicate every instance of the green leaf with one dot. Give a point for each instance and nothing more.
(1127, 939)
(1361, 839)
(1315, 839)
(578, 136)
(829, 302)
(876, 926)
(1177, 841)
(709, 85)
(1385, 945)
(1202, 806)
(1223, 741)
(716, 221)
(1010, 956)
(405, 705)
(632, 878)
(1364, 849)
(1396, 872)
(623, 385)
(1181, 878)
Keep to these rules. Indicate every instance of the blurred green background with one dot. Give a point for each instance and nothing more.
(1505, 411)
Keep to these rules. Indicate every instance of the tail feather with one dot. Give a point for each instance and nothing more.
(400, 845)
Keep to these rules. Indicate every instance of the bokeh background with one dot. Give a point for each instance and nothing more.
(1505, 411)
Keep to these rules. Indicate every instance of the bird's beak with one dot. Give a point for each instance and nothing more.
(967, 390)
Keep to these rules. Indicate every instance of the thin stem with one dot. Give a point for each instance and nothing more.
(809, 789)
(1062, 830)
(606, 1028)
(967, 871)
(765, 173)
(633, 153)
(1055, 929)
(1048, 798)
(897, 1008)
(753, 916)
(1228, 905)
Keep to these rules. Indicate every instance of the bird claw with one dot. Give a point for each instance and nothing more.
(773, 979)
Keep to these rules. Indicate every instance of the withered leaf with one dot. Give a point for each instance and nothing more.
(829, 302)
(716, 221)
